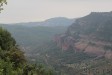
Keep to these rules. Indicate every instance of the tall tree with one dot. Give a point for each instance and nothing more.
(11, 50)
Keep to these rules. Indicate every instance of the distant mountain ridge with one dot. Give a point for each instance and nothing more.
(57, 21)
(91, 34)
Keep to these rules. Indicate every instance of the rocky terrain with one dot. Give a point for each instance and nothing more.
(91, 34)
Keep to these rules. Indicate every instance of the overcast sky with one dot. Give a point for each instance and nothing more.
(38, 10)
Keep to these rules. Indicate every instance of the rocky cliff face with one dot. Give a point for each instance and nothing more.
(91, 34)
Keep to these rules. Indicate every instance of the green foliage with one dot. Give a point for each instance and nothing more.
(6, 41)
(12, 59)
(6, 67)
(2, 2)
(17, 57)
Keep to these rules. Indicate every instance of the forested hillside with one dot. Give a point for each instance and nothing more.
(57, 46)
(78, 50)
(13, 61)
(91, 35)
